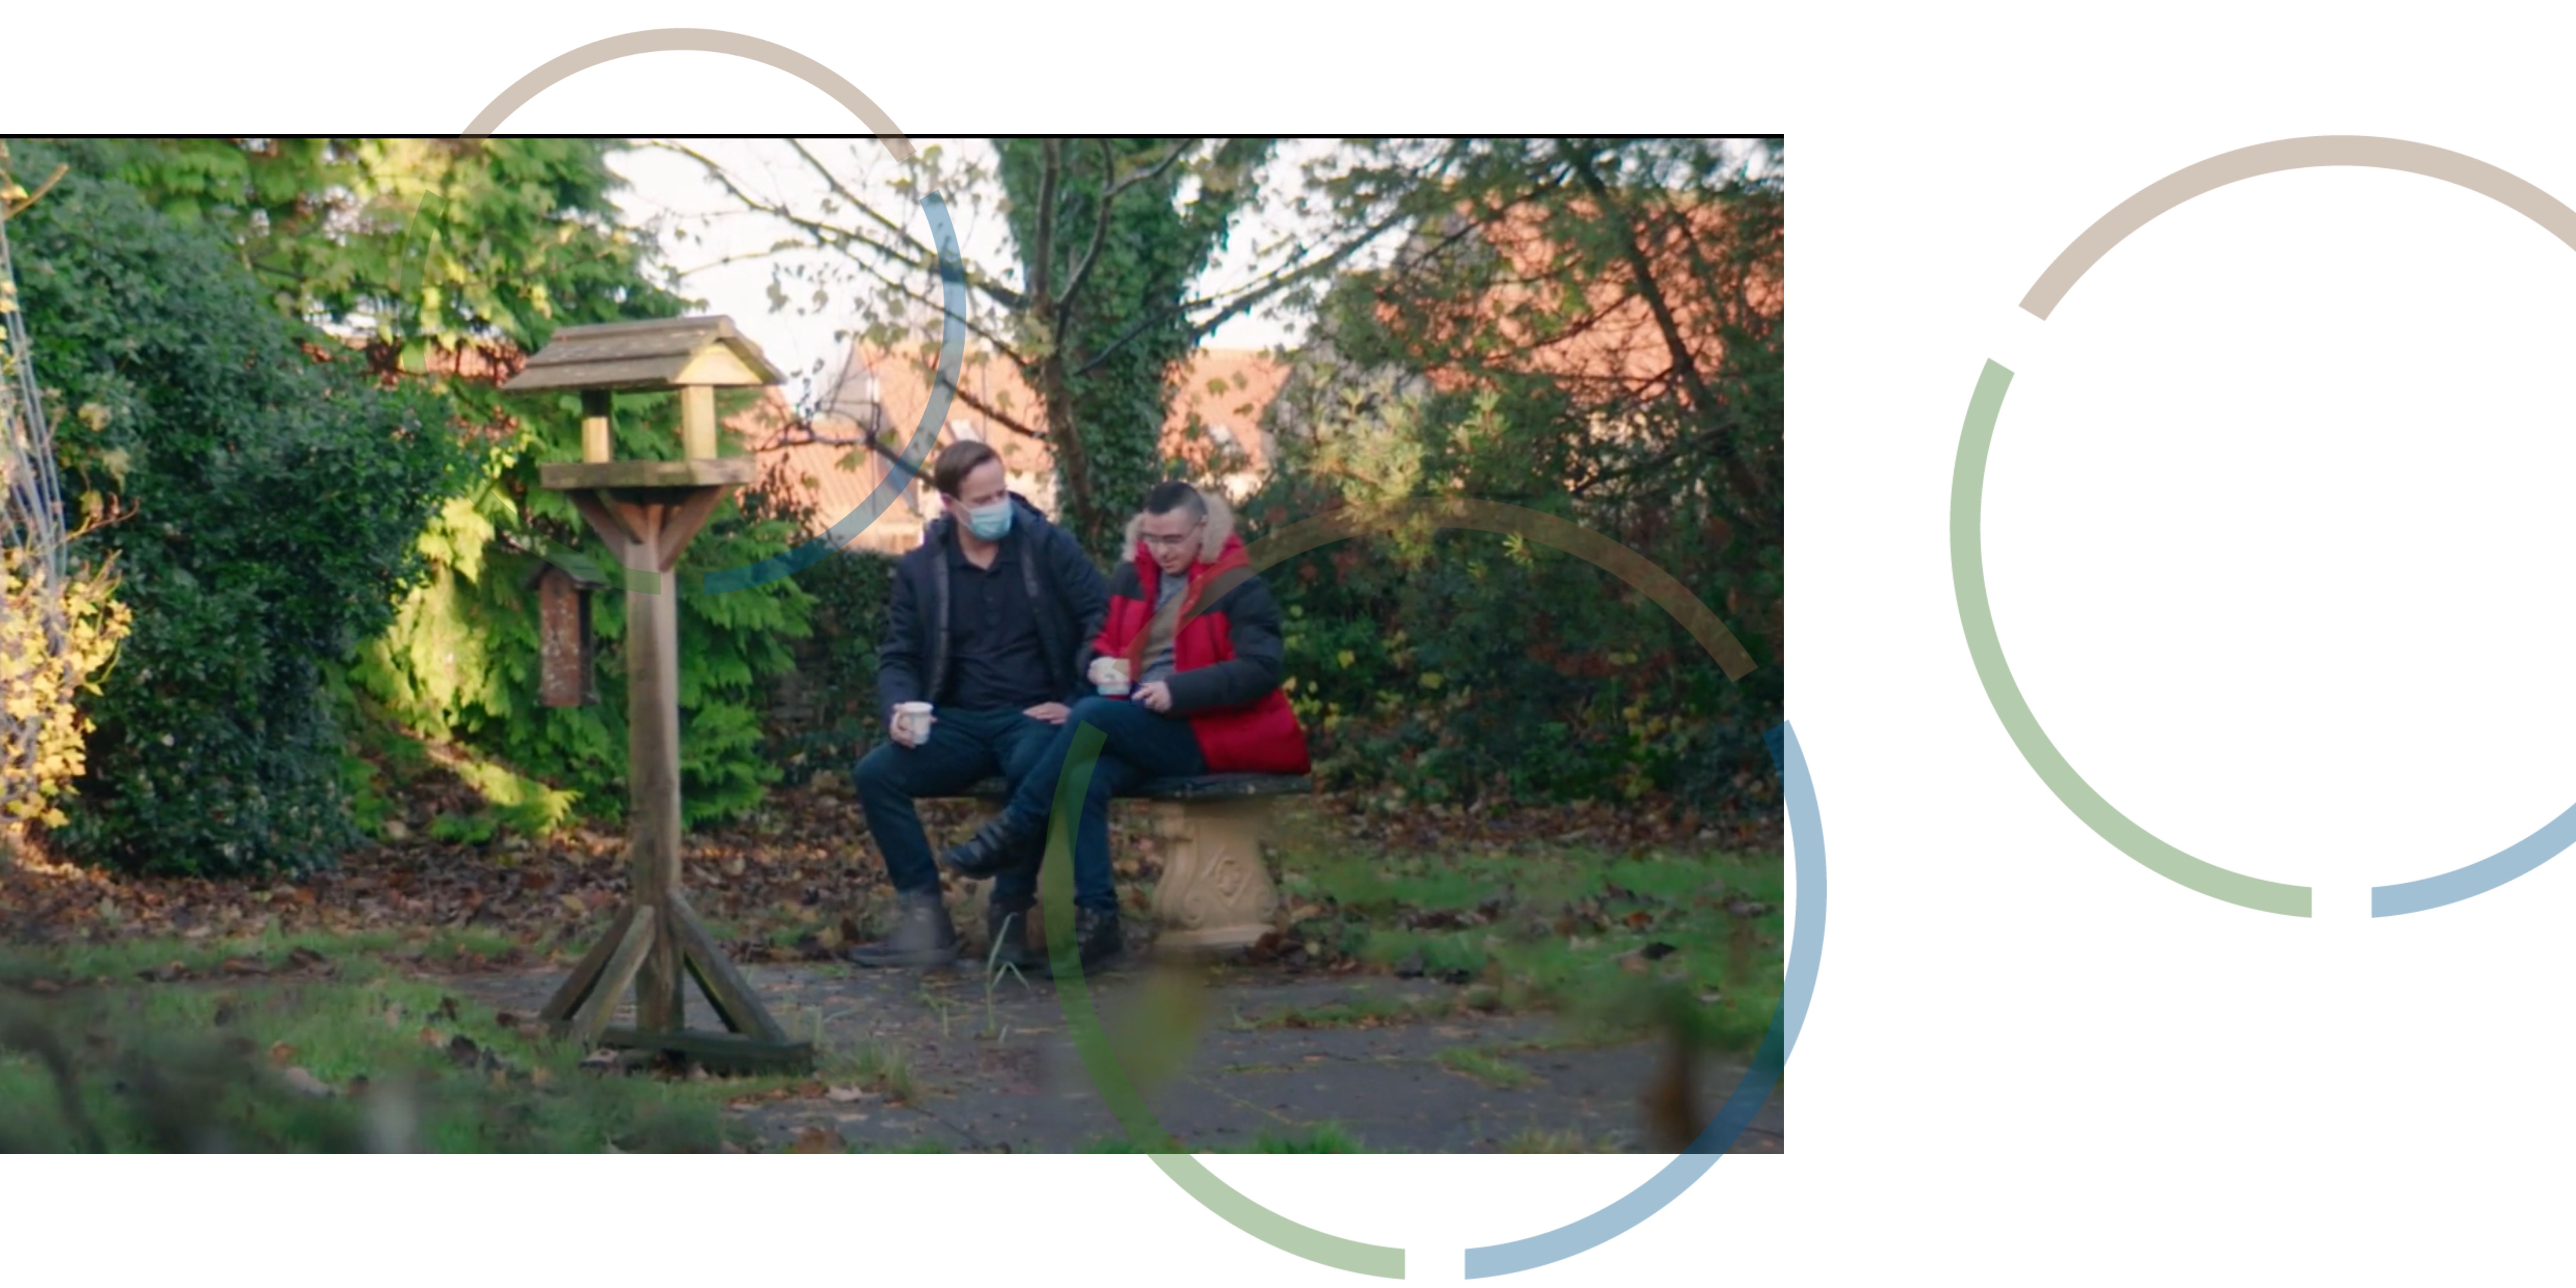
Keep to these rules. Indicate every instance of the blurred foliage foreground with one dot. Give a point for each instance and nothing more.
(320, 1044)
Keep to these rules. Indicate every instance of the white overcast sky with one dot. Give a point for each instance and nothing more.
(669, 190)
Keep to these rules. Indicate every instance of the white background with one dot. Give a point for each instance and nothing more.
(2279, 530)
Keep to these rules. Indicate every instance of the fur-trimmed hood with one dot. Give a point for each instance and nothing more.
(1220, 526)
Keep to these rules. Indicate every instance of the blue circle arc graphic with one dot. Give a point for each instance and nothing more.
(2477, 878)
(1798, 987)
(943, 389)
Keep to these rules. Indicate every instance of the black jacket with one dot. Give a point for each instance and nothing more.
(1065, 592)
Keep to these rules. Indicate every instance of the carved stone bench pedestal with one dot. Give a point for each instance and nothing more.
(1216, 894)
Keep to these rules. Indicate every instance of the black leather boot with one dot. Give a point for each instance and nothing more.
(995, 846)
(1096, 935)
(1009, 928)
(922, 936)
(1096, 932)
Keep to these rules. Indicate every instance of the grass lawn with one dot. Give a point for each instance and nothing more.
(1674, 938)
(167, 1015)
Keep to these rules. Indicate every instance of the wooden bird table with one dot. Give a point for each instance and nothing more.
(647, 511)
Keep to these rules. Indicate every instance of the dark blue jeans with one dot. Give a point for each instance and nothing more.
(1140, 745)
(964, 746)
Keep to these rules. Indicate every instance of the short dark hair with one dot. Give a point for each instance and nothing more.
(958, 460)
(1172, 494)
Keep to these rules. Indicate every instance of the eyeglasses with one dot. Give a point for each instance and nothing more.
(1153, 542)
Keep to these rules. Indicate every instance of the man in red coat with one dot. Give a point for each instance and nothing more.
(1200, 635)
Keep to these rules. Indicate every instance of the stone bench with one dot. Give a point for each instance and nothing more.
(1215, 893)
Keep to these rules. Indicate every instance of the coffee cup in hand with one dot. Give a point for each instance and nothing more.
(912, 721)
(1109, 675)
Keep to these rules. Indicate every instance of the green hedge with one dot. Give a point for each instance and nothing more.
(1458, 666)
(460, 659)
(275, 499)
(823, 717)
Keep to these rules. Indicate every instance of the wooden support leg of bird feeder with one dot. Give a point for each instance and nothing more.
(735, 1003)
(632, 948)
(653, 765)
(585, 975)
(657, 943)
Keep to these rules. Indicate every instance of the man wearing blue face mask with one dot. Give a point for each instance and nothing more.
(986, 617)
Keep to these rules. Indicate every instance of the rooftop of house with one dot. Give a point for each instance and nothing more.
(1214, 424)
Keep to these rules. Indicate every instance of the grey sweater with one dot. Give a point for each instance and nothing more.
(1159, 666)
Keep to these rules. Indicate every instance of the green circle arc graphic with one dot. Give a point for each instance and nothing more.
(1976, 616)
(1101, 1060)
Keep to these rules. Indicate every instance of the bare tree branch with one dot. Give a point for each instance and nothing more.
(1000, 343)
(1007, 420)
(1155, 171)
(985, 282)
(1684, 361)
(1250, 293)
(908, 251)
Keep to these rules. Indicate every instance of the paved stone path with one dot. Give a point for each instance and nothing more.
(1007, 1077)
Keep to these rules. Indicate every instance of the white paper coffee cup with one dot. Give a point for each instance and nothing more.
(1114, 681)
(915, 719)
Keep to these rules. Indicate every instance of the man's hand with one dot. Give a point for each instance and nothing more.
(895, 729)
(1051, 712)
(1156, 696)
(1103, 670)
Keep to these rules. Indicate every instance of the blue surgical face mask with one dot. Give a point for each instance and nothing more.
(990, 522)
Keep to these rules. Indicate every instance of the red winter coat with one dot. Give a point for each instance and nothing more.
(1226, 660)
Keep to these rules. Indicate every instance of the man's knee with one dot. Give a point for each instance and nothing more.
(1103, 712)
(880, 774)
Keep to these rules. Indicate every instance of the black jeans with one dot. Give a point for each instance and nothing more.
(1140, 745)
(963, 747)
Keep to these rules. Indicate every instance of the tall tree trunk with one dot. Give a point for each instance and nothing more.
(1079, 507)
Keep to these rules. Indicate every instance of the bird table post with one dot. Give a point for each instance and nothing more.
(647, 511)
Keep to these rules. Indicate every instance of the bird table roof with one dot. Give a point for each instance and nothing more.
(665, 353)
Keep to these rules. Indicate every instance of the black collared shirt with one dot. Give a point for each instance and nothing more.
(996, 660)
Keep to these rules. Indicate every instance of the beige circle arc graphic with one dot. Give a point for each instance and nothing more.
(2362, 150)
(701, 40)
